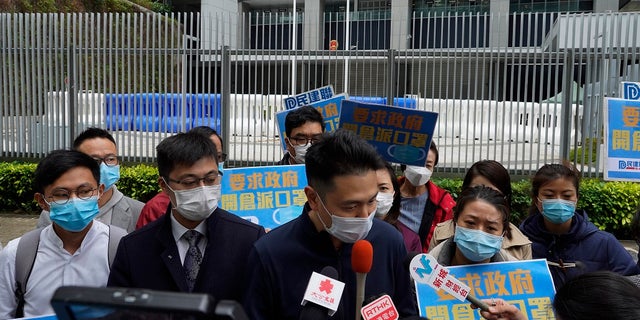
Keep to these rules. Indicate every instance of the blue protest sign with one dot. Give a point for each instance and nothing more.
(400, 135)
(269, 196)
(630, 90)
(622, 139)
(526, 284)
(330, 110)
(309, 97)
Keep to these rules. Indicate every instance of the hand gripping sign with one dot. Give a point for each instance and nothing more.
(425, 269)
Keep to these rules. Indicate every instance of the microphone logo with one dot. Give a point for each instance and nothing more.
(326, 286)
(381, 308)
(323, 291)
(425, 269)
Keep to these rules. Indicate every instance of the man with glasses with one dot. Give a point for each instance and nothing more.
(157, 206)
(303, 126)
(70, 251)
(115, 208)
(195, 246)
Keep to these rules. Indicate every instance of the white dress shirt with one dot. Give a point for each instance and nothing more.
(178, 231)
(54, 267)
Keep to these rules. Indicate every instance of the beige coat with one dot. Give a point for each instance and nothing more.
(518, 246)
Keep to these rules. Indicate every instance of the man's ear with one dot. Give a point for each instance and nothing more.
(312, 197)
(290, 148)
(162, 184)
(39, 198)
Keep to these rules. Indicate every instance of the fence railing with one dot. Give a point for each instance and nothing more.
(535, 100)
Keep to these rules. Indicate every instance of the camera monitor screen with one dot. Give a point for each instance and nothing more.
(83, 303)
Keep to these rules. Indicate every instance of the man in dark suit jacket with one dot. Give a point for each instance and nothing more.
(196, 246)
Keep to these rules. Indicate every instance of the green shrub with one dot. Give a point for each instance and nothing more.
(520, 200)
(586, 154)
(16, 187)
(139, 182)
(453, 186)
(610, 205)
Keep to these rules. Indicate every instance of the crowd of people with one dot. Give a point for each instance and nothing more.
(90, 234)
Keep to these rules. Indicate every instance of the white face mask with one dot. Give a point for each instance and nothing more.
(385, 202)
(301, 152)
(198, 203)
(347, 230)
(416, 175)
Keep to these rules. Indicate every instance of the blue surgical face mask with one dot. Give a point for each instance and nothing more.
(476, 245)
(75, 215)
(109, 175)
(558, 211)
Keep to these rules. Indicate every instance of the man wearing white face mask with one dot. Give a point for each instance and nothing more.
(303, 127)
(341, 170)
(157, 206)
(195, 246)
(423, 204)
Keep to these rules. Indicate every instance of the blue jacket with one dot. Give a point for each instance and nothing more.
(282, 261)
(583, 249)
(148, 258)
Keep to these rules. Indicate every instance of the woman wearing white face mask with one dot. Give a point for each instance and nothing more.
(423, 204)
(388, 208)
(564, 236)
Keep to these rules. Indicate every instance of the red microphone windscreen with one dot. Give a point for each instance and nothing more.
(362, 256)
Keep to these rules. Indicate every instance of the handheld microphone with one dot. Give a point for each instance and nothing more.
(424, 268)
(322, 296)
(361, 261)
(381, 307)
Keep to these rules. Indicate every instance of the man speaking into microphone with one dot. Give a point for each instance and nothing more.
(341, 204)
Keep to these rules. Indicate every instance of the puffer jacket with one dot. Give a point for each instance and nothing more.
(583, 249)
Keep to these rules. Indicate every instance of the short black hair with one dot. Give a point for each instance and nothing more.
(207, 132)
(57, 163)
(299, 116)
(339, 153)
(598, 295)
(183, 149)
(92, 133)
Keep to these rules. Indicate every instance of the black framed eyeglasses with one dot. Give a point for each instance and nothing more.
(193, 182)
(110, 160)
(303, 140)
(62, 196)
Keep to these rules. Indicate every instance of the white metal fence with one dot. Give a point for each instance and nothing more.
(531, 99)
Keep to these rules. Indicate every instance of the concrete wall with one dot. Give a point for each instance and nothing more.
(219, 24)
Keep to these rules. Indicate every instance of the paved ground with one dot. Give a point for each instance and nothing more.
(14, 225)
